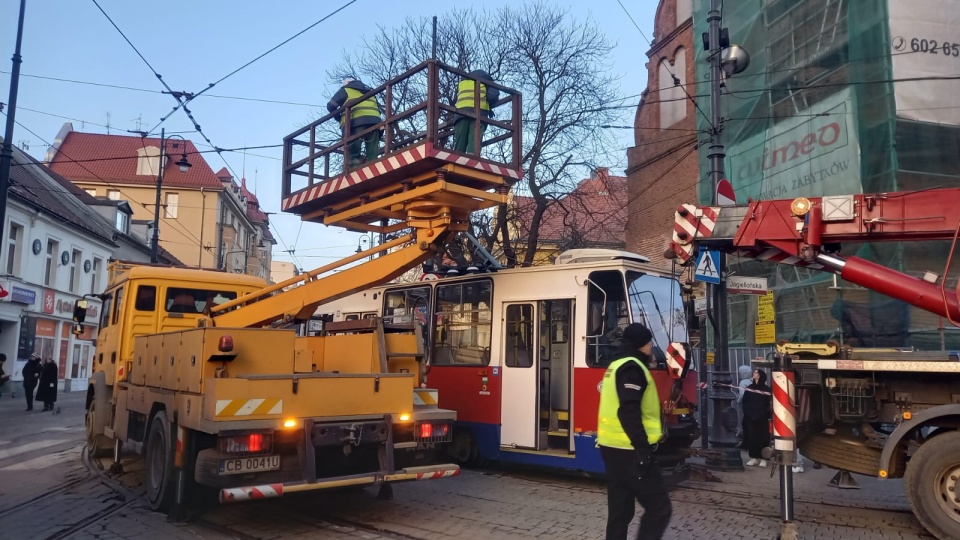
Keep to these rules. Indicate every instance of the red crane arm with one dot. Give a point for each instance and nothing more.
(807, 232)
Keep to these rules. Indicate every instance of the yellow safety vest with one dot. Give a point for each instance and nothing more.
(609, 430)
(465, 98)
(367, 107)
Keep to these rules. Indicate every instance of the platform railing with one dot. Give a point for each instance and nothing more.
(418, 107)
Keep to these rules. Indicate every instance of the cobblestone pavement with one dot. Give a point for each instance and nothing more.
(47, 491)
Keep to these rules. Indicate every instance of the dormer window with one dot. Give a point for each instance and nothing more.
(148, 161)
(123, 221)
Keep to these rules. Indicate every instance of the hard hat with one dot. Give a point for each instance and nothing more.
(348, 80)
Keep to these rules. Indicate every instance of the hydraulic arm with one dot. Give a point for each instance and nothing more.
(808, 232)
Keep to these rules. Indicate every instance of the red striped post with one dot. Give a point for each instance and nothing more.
(784, 412)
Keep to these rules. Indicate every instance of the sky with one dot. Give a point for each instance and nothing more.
(193, 44)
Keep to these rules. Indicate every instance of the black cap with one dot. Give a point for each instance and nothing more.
(636, 335)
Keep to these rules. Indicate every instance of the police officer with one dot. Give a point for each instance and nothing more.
(363, 114)
(463, 127)
(629, 427)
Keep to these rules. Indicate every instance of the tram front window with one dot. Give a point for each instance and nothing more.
(607, 316)
(656, 303)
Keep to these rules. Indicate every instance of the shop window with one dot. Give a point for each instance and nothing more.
(14, 241)
(462, 317)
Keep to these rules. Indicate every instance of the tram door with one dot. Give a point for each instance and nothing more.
(520, 377)
(537, 375)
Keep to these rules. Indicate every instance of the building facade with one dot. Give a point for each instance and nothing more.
(662, 167)
(205, 219)
(841, 97)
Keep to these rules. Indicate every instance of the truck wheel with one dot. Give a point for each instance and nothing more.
(97, 445)
(932, 483)
(159, 457)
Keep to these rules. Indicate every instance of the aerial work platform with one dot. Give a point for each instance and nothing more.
(417, 172)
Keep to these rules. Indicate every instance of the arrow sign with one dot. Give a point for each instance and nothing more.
(708, 267)
(725, 195)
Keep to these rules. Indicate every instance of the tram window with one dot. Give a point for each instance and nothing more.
(519, 336)
(656, 303)
(402, 306)
(607, 316)
(462, 316)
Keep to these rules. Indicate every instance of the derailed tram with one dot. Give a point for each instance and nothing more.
(519, 354)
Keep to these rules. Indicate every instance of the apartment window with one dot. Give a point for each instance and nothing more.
(75, 270)
(123, 221)
(95, 276)
(170, 205)
(50, 266)
(91, 192)
(113, 194)
(14, 241)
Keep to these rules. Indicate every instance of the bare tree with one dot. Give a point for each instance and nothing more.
(559, 64)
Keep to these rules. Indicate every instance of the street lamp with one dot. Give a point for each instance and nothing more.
(368, 238)
(184, 165)
(227, 254)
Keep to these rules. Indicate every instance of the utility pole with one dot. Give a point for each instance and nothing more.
(6, 151)
(722, 438)
(154, 247)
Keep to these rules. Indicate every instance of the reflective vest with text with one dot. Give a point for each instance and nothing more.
(610, 432)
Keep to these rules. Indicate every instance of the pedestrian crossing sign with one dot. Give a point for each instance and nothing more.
(708, 267)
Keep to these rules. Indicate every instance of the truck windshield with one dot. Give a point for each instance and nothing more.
(181, 300)
(656, 303)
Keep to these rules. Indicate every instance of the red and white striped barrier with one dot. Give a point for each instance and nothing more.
(438, 474)
(784, 411)
(676, 359)
(251, 493)
(690, 223)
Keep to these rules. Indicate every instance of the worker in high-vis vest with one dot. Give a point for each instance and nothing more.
(629, 427)
(363, 114)
(464, 131)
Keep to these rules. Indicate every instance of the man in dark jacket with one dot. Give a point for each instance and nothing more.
(463, 126)
(31, 376)
(629, 426)
(47, 389)
(363, 114)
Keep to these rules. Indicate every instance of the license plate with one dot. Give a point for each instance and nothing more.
(249, 464)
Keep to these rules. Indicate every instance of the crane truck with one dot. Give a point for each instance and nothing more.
(888, 413)
(201, 373)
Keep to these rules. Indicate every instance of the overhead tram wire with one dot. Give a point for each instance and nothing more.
(234, 72)
(107, 182)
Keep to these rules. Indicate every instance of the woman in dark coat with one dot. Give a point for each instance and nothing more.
(47, 389)
(756, 418)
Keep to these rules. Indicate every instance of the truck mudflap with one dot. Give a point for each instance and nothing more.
(268, 491)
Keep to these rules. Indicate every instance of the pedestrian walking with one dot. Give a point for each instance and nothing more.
(463, 126)
(756, 418)
(47, 388)
(363, 114)
(629, 426)
(31, 376)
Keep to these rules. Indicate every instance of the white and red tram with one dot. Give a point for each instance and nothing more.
(520, 353)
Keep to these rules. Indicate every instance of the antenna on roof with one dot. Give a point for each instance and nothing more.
(139, 121)
(108, 123)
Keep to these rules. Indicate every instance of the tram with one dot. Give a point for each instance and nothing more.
(520, 353)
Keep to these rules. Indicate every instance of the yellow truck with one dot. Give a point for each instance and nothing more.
(202, 373)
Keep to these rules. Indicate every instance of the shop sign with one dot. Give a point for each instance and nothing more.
(48, 301)
(23, 296)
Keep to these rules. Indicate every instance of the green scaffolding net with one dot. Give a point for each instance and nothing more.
(841, 97)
